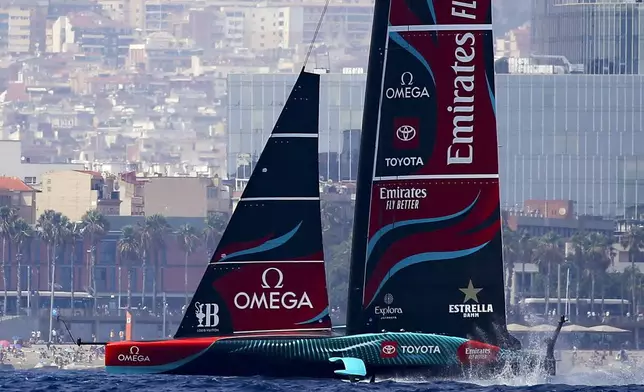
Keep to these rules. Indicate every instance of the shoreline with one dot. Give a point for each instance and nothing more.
(39, 357)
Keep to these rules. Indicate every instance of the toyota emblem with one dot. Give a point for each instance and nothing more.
(389, 349)
(406, 133)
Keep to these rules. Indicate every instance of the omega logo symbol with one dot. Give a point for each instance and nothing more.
(406, 133)
(134, 350)
(280, 279)
(407, 79)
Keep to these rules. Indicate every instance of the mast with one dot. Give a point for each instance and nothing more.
(368, 138)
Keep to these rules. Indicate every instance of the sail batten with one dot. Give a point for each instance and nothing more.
(456, 27)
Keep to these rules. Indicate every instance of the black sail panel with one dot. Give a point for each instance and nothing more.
(267, 273)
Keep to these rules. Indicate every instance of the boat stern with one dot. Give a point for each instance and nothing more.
(162, 356)
(477, 353)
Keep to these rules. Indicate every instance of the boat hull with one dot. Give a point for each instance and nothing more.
(313, 356)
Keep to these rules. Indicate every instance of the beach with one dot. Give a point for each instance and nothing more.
(63, 356)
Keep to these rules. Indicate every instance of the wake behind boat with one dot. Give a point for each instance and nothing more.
(426, 287)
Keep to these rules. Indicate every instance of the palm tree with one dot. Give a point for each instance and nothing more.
(631, 281)
(510, 255)
(526, 248)
(633, 242)
(94, 227)
(73, 234)
(188, 242)
(336, 223)
(7, 221)
(598, 258)
(548, 252)
(577, 260)
(145, 242)
(23, 233)
(215, 226)
(128, 248)
(52, 226)
(161, 228)
(42, 225)
(154, 230)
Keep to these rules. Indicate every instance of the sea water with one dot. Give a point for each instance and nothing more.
(98, 381)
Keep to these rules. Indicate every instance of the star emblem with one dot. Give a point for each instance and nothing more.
(470, 292)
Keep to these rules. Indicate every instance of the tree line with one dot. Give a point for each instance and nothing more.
(137, 246)
(587, 255)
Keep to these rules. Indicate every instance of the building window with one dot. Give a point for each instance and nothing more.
(30, 180)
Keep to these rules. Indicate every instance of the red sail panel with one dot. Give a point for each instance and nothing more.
(440, 12)
(281, 296)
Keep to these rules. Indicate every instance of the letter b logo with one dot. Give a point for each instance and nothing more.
(212, 315)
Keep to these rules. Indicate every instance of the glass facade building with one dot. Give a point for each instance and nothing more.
(255, 102)
(603, 35)
(574, 137)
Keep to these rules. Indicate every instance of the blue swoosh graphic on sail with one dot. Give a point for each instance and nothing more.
(319, 317)
(387, 228)
(397, 38)
(424, 257)
(489, 91)
(268, 245)
(430, 5)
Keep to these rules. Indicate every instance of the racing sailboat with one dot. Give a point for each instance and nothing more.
(428, 188)
(426, 288)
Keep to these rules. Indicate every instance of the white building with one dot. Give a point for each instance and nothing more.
(14, 165)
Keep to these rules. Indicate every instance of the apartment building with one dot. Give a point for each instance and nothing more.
(172, 196)
(165, 16)
(285, 24)
(233, 26)
(273, 27)
(15, 193)
(117, 10)
(131, 194)
(92, 36)
(162, 52)
(22, 28)
(206, 28)
(14, 164)
(75, 192)
(184, 196)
